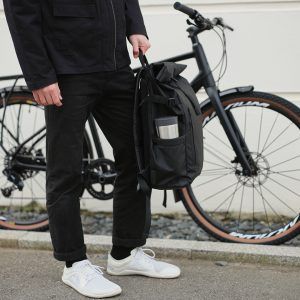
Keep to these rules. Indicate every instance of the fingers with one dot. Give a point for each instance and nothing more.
(37, 97)
(49, 95)
(135, 46)
(139, 41)
(40, 98)
(56, 97)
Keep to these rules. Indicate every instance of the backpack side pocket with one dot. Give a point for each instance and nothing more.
(168, 162)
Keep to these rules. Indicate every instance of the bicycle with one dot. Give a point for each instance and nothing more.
(237, 167)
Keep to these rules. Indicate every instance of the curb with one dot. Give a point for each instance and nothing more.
(246, 253)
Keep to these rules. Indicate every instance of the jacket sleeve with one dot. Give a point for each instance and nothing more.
(24, 20)
(134, 19)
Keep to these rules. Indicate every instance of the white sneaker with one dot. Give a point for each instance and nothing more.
(87, 279)
(140, 263)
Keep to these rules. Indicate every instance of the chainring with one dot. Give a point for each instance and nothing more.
(99, 174)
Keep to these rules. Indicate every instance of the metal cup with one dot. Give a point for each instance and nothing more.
(167, 127)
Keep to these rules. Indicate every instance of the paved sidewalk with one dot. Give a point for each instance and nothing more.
(172, 248)
(35, 274)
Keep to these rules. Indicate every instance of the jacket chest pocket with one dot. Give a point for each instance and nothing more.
(75, 8)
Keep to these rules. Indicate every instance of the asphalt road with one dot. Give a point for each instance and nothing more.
(27, 274)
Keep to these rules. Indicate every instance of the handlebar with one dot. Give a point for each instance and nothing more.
(185, 9)
(203, 23)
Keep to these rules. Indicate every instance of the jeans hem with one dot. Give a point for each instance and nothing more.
(70, 255)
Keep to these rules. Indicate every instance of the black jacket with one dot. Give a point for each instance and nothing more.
(71, 36)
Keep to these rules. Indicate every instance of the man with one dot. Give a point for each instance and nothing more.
(74, 57)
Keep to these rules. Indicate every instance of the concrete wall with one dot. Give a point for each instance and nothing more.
(263, 50)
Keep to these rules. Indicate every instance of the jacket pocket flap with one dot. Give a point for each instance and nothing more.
(74, 10)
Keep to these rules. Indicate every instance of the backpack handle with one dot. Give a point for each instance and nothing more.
(143, 59)
(151, 76)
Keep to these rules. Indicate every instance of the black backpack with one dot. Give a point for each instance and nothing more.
(166, 163)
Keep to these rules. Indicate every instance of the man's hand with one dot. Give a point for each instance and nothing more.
(139, 41)
(49, 95)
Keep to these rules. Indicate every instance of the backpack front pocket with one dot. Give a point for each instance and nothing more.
(168, 160)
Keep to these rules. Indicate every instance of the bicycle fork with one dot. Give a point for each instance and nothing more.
(233, 133)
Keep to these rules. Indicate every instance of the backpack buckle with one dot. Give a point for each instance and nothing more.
(172, 102)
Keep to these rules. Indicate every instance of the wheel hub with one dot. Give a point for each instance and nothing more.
(261, 174)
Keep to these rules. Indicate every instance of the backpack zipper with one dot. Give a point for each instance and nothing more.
(112, 7)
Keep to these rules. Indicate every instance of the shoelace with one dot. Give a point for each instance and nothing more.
(94, 268)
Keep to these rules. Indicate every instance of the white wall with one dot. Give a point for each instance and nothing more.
(263, 50)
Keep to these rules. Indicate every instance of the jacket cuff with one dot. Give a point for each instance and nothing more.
(40, 83)
(138, 29)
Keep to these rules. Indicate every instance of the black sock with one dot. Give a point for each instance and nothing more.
(120, 252)
(69, 263)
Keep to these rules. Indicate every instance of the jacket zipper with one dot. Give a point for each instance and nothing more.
(112, 7)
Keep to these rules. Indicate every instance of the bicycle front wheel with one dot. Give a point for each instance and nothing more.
(262, 208)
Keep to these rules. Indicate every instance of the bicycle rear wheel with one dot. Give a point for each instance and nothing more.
(260, 209)
(25, 208)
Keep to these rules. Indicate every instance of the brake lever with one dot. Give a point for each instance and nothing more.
(220, 21)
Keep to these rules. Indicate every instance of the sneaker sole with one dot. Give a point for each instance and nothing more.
(104, 295)
(134, 272)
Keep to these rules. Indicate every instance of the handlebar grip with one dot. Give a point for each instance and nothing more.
(185, 9)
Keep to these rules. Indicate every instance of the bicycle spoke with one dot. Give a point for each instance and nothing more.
(260, 127)
(211, 180)
(279, 199)
(217, 156)
(231, 200)
(231, 195)
(18, 129)
(12, 118)
(265, 210)
(278, 136)
(283, 146)
(212, 163)
(241, 208)
(209, 174)
(245, 122)
(224, 189)
(288, 189)
(38, 183)
(210, 170)
(275, 120)
(218, 151)
(282, 162)
(278, 173)
(34, 125)
(264, 199)
(253, 205)
(218, 139)
(288, 171)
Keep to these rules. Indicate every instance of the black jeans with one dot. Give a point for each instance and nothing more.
(108, 95)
